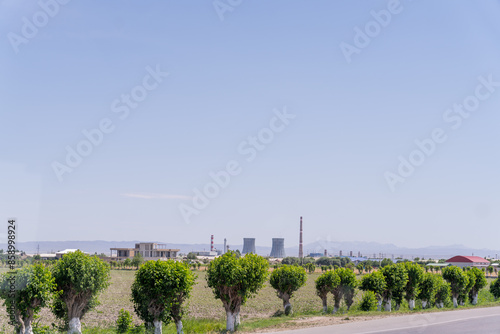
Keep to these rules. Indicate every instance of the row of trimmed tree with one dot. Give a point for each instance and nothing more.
(160, 288)
(408, 281)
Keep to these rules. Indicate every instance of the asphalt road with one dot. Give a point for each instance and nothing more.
(477, 320)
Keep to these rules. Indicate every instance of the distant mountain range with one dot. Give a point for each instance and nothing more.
(369, 249)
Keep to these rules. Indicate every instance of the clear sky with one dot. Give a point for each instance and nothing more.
(355, 85)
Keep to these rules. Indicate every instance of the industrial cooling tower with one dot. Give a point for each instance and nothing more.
(278, 250)
(248, 245)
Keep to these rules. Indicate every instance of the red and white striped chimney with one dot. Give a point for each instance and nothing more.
(212, 243)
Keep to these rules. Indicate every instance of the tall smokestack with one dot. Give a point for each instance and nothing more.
(225, 247)
(212, 243)
(301, 251)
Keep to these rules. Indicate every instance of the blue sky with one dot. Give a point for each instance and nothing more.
(226, 81)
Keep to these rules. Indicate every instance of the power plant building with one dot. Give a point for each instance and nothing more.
(278, 249)
(248, 246)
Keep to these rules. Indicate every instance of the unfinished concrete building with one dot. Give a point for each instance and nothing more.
(148, 250)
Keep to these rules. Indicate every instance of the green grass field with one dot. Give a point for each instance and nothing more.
(206, 314)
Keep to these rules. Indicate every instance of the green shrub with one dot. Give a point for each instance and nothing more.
(368, 302)
(495, 288)
(124, 321)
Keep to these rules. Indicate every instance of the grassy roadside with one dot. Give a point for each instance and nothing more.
(298, 320)
(206, 314)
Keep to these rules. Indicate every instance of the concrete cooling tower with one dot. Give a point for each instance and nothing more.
(248, 245)
(278, 250)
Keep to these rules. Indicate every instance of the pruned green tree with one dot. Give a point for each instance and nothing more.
(464, 294)
(137, 260)
(386, 262)
(80, 278)
(374, 282)
(127, 262)
(490, 269)
(368, 301)
(360, 268)
(458, 280)
(286, 280)
(443, 292)
(428, 288)
(415, 276)
(495, 288)
(159, 291)
(479, 283)
(346, 289)
(396, 277)
(34, 287)
(233, 280)
(311, 267)
(325, 285)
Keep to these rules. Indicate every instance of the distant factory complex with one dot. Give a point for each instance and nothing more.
(156, 251)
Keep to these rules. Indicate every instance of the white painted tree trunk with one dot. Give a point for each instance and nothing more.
(335, 309)
(411, 304)
(157, 324)
(28, 328)
(178, 324)
(325, 304)
(387, 305)
(379, 305)
(75, 327)
(230, 321)
(424, 304)
(440, 305)
(455, 303)
(288, 308)
(237, 319)
(474, 299)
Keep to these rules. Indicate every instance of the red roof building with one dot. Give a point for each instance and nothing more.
(468, 261)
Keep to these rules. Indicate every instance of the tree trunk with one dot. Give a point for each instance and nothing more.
(75, 327)
(387, 305)
(474, 298)
(424, 303)
(324, 299)
(286, 304)
(230, 321)
(455, 303)
(178, 324)
(379, 305)
(397, 306)
(28, 329)
(411, 304)
(236, 319)
(157, 324)
(440, 305)
(20, 322)
(336, 305)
